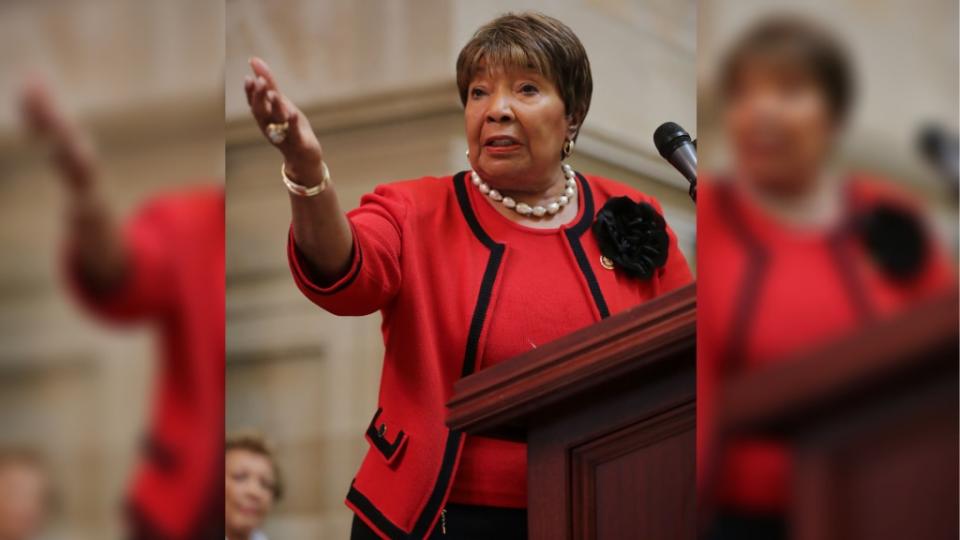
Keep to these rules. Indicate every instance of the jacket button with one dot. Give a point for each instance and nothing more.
(382, 431)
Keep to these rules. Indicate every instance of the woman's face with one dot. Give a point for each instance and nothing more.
(23, 501)
(780, 127)
(516, 126)
(249, 490)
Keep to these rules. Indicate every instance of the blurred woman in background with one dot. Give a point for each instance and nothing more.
(253, 485)
(798, 251)
(24, 494)
(164, 267)
(469, 270)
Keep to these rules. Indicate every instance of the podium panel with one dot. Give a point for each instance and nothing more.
(872, 423)
(635, 482)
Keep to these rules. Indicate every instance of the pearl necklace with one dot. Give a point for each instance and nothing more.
(524, 209)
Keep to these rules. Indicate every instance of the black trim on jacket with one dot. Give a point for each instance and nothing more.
(843, 258)
(306, 268)
(573, 236)
(749, 288)
(378, 438)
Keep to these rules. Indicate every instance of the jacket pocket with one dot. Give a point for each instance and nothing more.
(379, 437)
(159, 454)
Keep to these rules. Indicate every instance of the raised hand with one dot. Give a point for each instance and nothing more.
(93, 234)
(73, 150)
(278, 116)
(320, 227)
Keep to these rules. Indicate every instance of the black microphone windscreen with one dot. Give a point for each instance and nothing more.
(668, 137)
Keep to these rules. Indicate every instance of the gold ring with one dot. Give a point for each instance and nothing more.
(277, 133)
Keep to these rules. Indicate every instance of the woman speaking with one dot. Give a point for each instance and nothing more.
(469, 270)
(800, 252)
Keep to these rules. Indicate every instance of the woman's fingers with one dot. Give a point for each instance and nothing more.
(261, 106)
(248, 89)
(265, 94)
(41, 113)
(305, 136)
(270, 106)
(282, 108)
(261, 69)
(73, 148)
(285, 111)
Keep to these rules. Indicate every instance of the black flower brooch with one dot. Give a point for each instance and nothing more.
(632, 236)
(895, 240)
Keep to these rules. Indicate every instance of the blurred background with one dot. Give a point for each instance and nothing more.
(905, 58)
(827, 384)
(146, 78)
(377, 81)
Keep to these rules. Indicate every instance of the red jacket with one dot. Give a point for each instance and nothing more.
(175, 249)
(423, 259)
(767, 291)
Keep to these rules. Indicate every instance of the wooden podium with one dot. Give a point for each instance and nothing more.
(608, 414)
(872, 421)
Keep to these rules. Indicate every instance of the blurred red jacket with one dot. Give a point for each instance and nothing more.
(175, 281)
(768, 290)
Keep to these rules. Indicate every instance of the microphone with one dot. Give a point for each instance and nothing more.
(941, 149)
(676, 146)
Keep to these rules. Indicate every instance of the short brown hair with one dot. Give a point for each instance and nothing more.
(535, 41)
(257, 444)
(793, 42)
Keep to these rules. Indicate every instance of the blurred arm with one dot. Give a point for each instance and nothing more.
(94, 237)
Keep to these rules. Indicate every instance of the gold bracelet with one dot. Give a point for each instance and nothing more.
(304, 191)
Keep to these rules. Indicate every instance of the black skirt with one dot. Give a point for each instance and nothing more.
(463, 522)
(735, 525)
